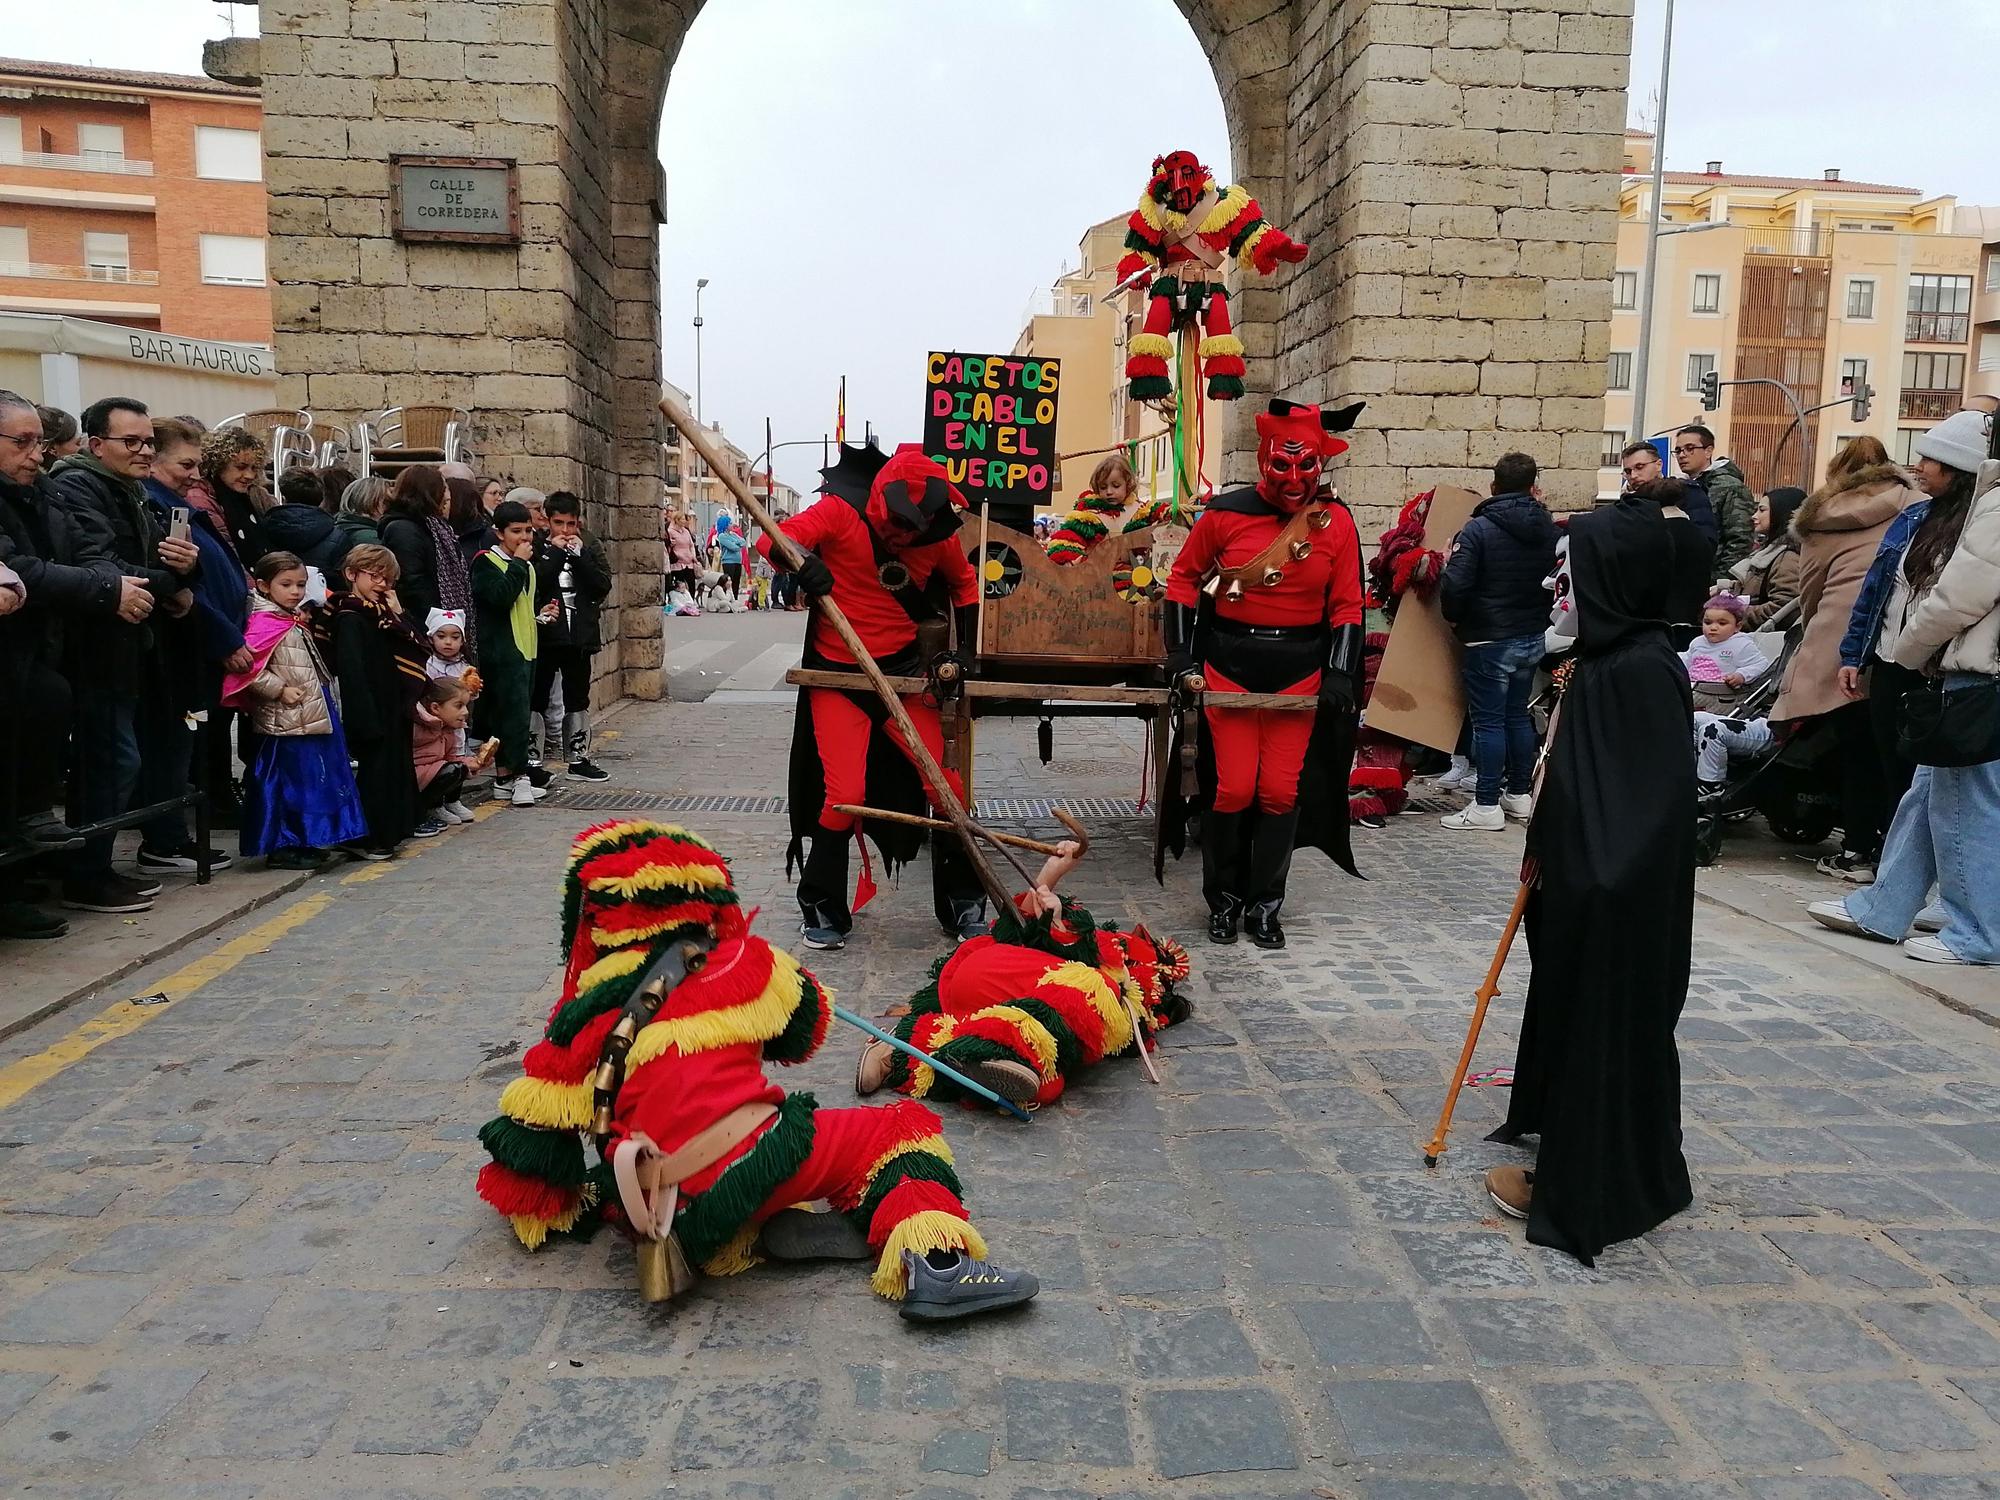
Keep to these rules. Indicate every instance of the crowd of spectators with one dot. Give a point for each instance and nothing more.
(330, 668)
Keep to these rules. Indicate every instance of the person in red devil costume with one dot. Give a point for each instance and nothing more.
(1178, 238)
(1266, 597)
(883, 546)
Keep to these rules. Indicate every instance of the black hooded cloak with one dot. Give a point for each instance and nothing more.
(1611, 920)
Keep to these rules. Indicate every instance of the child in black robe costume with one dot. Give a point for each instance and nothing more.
(1611, 920)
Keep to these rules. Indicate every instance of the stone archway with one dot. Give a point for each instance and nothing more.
(1455, 165)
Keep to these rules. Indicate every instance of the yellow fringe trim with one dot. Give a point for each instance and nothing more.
(1093, 986)
(1032, 1031)
(615, 965)
(936, 1145)
(933, 1229)
(738, 1256)
(1247, 256)
(658, 878)
(1150, 343)
(531, 1231)
(1220, 344)
(1151, 212)
(1227, 208)
(552, 1106)
(755, 1020)
(611, 833)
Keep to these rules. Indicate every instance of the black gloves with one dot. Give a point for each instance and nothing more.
(814, 576)
(1177, 623)
(965, 637)
(1340, 681)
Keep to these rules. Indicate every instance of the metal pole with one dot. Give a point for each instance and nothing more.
(1644, 360)
(697, 346)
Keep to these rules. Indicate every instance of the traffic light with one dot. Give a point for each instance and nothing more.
(1859, 410)
(1711, 391)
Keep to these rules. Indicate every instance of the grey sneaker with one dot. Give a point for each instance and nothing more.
(963, 1288)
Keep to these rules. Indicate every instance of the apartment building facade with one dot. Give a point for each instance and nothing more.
(1822, 285)
(133, 198)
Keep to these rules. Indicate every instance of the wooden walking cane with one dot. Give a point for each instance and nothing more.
(1015, 840)
(1484, 997)
(919, 752)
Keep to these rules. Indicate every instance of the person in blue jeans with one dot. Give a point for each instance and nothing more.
(728, 544)
(1941, 614)
(1494, 594)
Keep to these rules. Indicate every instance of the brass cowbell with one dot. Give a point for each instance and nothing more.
(1301, 550)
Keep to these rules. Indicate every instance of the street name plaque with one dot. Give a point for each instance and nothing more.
(460, 200)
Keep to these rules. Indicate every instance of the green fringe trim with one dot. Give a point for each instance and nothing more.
(553, 1156)
(795, 1043)
(600, 1188)
(919, 1166)
(713, 1218)
(1069, 1051)
(960, 1053)
(1242, 236)
(1225, 387)
(1166, 286)
(1151, 387)
(1136, 241)
(1038, 932)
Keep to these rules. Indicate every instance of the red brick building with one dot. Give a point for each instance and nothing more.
(133, 198)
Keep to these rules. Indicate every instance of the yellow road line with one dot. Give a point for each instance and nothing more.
(17, 1078)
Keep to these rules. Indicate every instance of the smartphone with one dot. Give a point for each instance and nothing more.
(178, 523)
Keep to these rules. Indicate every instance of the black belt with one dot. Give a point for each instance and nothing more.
(1267, 632)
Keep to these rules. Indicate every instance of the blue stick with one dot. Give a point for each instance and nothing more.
(844, 1014)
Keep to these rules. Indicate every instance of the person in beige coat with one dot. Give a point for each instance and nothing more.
(1839, 528)
(1945, 611)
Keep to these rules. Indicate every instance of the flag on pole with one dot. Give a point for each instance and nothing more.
(840, 414)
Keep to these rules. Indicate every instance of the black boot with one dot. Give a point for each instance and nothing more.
(823, 915)
(1270, 864)
(1221, 872)
(956, 898)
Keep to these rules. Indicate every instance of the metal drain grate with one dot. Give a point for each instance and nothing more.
(630, 800)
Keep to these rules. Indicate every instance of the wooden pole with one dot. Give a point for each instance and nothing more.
(1033, 846)
(1485, 996)
(919, 753)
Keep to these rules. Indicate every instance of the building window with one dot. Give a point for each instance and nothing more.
(1992, 261)
(13, 249)
(1853, 376)
(1618, 376)
(1861, 298)
(1614, 444)
(1989, 345)
(232, 260)
(228, 155)
(100, 142)
(1933, 386)
(1698, 366)
(1625, 289)
(108, 257)
(10, 138)
(1707, 293)
(1940, 310)
(1900, 450)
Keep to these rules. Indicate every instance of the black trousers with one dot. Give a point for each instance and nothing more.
(444, 787)
(572, 663)
(34, 730)
(1888, 685)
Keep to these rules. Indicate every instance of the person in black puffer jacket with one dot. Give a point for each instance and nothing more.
(1494, 595)
(299, 525)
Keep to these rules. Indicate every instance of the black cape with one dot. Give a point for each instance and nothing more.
(1323, 780)
(1610, 923)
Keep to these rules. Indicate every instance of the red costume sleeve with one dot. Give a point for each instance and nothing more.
(808, 528)
(1196, 560)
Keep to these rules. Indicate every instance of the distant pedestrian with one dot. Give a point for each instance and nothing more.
(503, 586)
(1728, 492)
(572, 581)
(380, 668)
(60, 435)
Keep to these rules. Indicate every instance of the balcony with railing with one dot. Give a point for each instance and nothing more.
(1815, 243)
(44, 271)
(1928, 406)
(1048, 302)
(89, 161)
(1936, 328)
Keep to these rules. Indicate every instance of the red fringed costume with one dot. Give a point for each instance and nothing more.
(886, 532)
(1379, 787)
(1178, 237)
(1266, 596)
(696, 1068)
(1042, 996)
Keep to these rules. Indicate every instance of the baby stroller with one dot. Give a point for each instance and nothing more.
(1795, 783)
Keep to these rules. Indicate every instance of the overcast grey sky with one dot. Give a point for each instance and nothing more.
(866, 181)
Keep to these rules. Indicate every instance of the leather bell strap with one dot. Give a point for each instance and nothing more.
(1285, 546)
(644, 1172)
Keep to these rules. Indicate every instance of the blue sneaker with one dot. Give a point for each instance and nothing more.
(825, 939)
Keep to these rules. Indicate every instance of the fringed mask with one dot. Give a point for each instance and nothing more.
(911, 503)
(1179, 179)
(1293, 443)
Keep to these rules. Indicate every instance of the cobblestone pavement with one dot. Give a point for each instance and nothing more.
(240, 1255)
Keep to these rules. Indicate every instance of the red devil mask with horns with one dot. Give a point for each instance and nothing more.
(1178, 178)
(1293, 443)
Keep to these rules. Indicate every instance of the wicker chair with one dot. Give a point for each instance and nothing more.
(392, 440)
(287, 433)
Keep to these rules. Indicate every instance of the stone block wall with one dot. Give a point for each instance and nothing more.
(1454, 164)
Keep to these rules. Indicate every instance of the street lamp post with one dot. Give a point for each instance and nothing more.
(697, 346)
(1639, 376)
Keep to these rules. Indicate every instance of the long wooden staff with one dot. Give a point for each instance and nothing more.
(1484, 996)
(919, 753)
(1014, 840)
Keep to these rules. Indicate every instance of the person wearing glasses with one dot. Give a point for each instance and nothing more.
(69, 579)
(123, 695)
(1727, 490)
(1691, 522)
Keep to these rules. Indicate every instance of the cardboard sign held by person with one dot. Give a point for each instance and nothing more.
(1419, 695)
